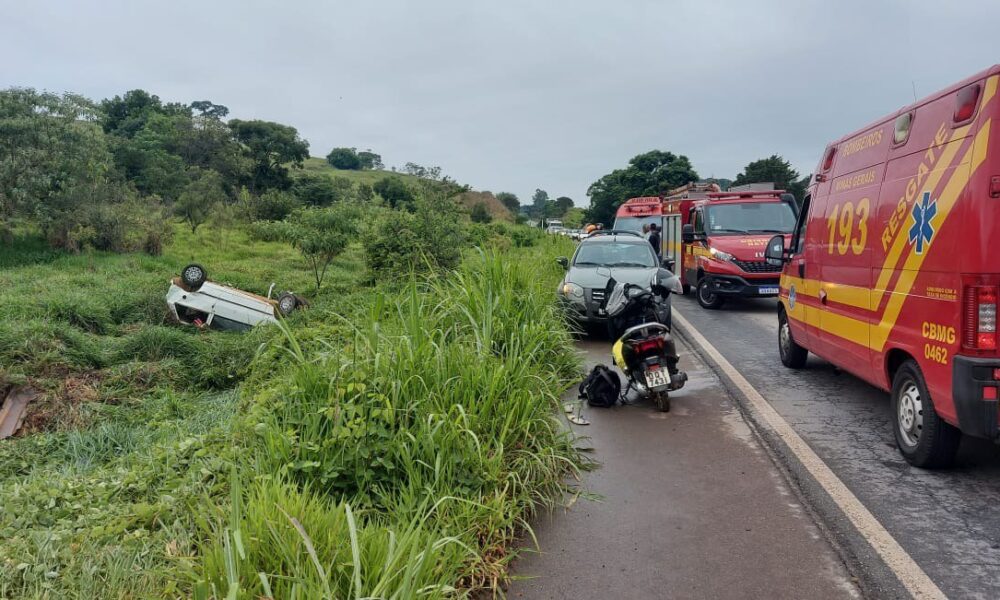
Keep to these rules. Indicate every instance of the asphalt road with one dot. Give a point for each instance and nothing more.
(690, 506)
(948, 521)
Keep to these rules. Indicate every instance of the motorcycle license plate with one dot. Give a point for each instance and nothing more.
(657, 378)
(767, 290)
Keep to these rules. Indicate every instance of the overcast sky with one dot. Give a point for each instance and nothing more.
(518, 95)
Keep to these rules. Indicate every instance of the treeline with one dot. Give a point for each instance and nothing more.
(108, 175)
(656, 172)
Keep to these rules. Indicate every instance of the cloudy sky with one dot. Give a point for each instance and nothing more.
(518, 95)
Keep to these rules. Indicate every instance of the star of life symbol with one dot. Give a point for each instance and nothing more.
(922, 229)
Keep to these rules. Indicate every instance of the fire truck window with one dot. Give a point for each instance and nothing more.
(699, 222)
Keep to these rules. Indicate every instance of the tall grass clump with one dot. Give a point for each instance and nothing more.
(430, 416)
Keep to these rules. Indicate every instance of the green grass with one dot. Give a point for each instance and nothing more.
(391, 442)
(319, 166)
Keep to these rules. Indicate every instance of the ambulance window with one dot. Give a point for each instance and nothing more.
(800, 227)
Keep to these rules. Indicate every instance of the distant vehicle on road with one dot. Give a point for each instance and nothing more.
(625, 256)
(893, 272)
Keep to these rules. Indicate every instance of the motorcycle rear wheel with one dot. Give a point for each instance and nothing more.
(662, 401)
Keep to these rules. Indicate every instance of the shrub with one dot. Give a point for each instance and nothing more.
(320, 190)
(132, 225)
(480, 213)
(273, 205)
(401, 242)
(396, 193)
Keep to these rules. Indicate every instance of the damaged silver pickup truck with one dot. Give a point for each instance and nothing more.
(194, 300)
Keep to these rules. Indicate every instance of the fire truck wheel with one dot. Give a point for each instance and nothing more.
(924, 439)
(706, 298)
(792, 355)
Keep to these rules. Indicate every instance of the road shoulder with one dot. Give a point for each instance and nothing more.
(691, 506)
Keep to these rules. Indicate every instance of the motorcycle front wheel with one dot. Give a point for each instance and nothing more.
(662, 401)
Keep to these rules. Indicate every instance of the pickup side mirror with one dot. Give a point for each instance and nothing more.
(775, 253)
(687, 234)
(563, 262)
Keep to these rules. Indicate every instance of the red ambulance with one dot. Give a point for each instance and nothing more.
(892, 274)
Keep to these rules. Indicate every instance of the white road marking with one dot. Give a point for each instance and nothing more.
(902, 565)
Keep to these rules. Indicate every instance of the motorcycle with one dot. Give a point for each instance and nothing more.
(645, 350)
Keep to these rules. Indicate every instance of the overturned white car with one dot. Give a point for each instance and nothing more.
(194, 300)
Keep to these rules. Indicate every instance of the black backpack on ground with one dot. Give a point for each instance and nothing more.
(601, 388)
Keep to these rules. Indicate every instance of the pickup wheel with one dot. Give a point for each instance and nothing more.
(793, 355)
(193, 276)
(706, 297)
(924, 439)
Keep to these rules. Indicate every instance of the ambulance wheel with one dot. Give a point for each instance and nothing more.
(662, 401)
(793, 355)
(924, 439)
(706, 298)
(287, 303)
(194, 276)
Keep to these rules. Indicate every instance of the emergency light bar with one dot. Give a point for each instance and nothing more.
(776, 194)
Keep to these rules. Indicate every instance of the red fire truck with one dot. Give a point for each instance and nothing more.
(718, 242)
(892, 273)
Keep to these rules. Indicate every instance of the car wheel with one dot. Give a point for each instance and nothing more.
(793, 355)
(706, 297)
(193, 276)
(287, 303)
(924, 439)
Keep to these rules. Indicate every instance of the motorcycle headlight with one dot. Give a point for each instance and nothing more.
(719, 254)
(571, 290)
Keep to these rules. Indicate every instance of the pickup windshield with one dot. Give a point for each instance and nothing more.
(609, 254)
(749, 217)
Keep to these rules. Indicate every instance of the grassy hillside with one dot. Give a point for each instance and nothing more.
(399, 431)
(319, 166)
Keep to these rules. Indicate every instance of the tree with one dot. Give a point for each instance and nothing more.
(320, 234)
(370, 160)
(200, 198)
(270, 146)
(573, 218)
(344, 158)
(314, 190)
(510, 201)
(394, 191)
(777, 170)
(126, 115)
(365, 192)
(207, 109)
(480, 213)
(273, 205)
(649, 174)
(50, 144)
(538, 200)
(562, 204)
